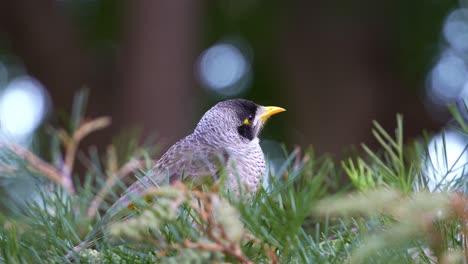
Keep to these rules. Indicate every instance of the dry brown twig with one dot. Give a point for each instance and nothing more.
(110, 182)
(213, 230)
(63, 176)
(114, 175)
(112, 163)
(7, 169)
(271, 254)
(222, 241)
(458, 204)
(71, 142)
(39, 165)
(218, 240)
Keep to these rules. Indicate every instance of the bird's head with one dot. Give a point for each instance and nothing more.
(236, 119)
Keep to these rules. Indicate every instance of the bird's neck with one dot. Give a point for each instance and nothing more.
(245, 147)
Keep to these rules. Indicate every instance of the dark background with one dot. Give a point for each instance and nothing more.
(334, 65)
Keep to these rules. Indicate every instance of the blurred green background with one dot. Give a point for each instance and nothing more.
(334, 65)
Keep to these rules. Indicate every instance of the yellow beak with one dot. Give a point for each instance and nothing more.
(269, 111)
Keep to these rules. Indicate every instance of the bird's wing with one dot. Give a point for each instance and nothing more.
(190, 158)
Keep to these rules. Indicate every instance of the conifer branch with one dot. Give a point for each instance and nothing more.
(41, 166)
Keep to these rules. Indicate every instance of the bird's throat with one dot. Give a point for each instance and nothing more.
(246, 131)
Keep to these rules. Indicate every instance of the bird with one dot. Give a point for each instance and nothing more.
(225, 140)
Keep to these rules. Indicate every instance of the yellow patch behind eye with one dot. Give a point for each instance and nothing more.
(246, 121)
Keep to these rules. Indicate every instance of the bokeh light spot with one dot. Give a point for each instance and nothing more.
(23, 104)
(447, 159)
(222, 68)
(447, 79)
(456, 29)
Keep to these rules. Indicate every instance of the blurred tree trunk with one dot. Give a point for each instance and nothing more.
(342, 75)
(156, 70)
(48, 45)
(154, 84)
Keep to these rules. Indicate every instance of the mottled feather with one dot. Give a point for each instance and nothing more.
(221, 140)
(190, 158)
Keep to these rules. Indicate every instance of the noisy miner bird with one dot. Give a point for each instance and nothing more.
(224, 141)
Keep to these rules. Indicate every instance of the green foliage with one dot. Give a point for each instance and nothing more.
(304, 216)
(391, 168)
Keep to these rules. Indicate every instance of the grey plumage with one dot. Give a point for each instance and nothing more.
(224, 139)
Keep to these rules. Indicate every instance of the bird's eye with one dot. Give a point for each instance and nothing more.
(248, 120)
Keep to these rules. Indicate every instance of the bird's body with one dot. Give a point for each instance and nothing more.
(225, 140)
